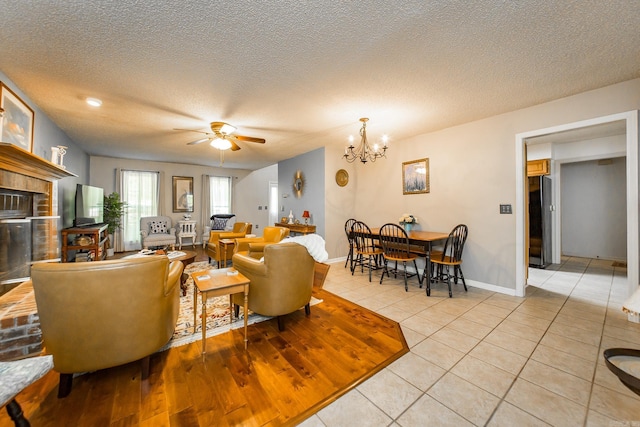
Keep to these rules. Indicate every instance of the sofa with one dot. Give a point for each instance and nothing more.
(254, 246)
(281, 283)
(96, 315)
(240, 229)
(157, 231)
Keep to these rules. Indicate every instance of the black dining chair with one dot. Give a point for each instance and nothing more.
(396, 248)
(366, 252)
(449, 258)
(347, 231)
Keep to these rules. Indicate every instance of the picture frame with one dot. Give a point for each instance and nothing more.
(415, 177)
(183, 194)
(16, 120)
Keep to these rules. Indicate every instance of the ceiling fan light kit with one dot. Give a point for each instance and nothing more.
(222, 137)
(364, 152)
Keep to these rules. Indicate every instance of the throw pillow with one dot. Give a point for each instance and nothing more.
(219, 224)
(158, 227)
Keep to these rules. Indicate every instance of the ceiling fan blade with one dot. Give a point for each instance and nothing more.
(249, 139)
(234, 146)
(199, 141)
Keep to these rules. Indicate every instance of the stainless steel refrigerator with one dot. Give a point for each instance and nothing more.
(539, 221)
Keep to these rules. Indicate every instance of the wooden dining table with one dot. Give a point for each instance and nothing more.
(421, 238)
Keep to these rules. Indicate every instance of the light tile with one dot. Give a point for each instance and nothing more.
(575, 333)
(429, 412)
(412, 337)
(508, 415)
(528, 333)
(585, 351)
(499, 357)
(542, 403)
(421, 325)
(564, 361)
(416, 370)
(482, 374)
(614, 405)
(473, 403)
(353, 406)
(438, 353)
(468, 327)
(557, 381)
(511, 342)
(455, 339)
(389, 392)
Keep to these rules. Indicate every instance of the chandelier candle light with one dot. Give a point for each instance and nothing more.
(364, 152)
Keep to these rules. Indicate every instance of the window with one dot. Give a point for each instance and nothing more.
(140, 190)
(220, 195)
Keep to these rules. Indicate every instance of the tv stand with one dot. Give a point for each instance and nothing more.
(96, 246)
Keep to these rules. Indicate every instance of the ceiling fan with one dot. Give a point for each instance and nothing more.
(222, 137)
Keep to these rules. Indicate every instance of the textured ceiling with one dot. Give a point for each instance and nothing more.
(300, 73)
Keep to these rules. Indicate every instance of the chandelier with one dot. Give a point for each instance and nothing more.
(364, 152)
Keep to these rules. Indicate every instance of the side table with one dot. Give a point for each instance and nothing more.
(187, 229)
(211, 283)
(225, 245)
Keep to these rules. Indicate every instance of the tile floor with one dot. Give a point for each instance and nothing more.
(483, 358)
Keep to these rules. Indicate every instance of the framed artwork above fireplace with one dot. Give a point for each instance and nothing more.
(16, 119)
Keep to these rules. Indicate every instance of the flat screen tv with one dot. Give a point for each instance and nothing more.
(89, 205)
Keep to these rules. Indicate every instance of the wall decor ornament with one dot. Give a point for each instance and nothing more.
(298, 183)
(16, 121)
(183, 194)
(415, 177)
(342, 177)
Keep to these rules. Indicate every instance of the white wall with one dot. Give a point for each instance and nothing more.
(472, 172)
(252, 192)
(103, 174)
(594, 220)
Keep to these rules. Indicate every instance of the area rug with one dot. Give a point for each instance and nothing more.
(217, 313)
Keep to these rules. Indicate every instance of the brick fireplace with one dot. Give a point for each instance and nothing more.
(29, 227)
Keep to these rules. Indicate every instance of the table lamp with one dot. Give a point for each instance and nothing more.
(306, 217)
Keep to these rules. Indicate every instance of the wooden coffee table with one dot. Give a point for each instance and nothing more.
(186, 259)
(211, 283)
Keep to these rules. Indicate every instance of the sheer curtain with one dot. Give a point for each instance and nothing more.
(141, 191)
(220, 194)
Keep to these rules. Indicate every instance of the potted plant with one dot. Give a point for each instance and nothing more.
(113, 210)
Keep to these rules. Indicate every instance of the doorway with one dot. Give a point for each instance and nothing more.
(630, 120)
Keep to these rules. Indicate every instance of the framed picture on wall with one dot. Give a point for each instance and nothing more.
(415, 176)
(16, 120)
(182, 194)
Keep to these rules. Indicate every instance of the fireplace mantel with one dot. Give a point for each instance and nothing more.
(18, 160)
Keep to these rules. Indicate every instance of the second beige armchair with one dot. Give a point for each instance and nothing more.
(254, 246)
(240, 229)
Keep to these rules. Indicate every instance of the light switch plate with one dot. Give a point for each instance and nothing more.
(505, 209)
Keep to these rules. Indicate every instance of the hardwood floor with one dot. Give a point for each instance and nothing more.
(281, 379)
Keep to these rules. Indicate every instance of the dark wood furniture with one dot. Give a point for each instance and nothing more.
(298, 228)
(396, 248)
(424, 239)
(97, 234)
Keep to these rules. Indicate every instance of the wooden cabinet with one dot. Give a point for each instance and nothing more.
(298, 228)
(90, 240)
(538, 167)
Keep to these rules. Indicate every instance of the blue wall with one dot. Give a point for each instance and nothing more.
(46, 135)
(313, 196)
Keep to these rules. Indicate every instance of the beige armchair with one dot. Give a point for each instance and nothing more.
(281, 284)
(96, 315)
(240, 229)
(157, 231)
(254, 246)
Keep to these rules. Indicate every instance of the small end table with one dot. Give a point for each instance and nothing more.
(211, 283)
(224, 245)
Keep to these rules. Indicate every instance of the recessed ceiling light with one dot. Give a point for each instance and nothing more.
(94, 102)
